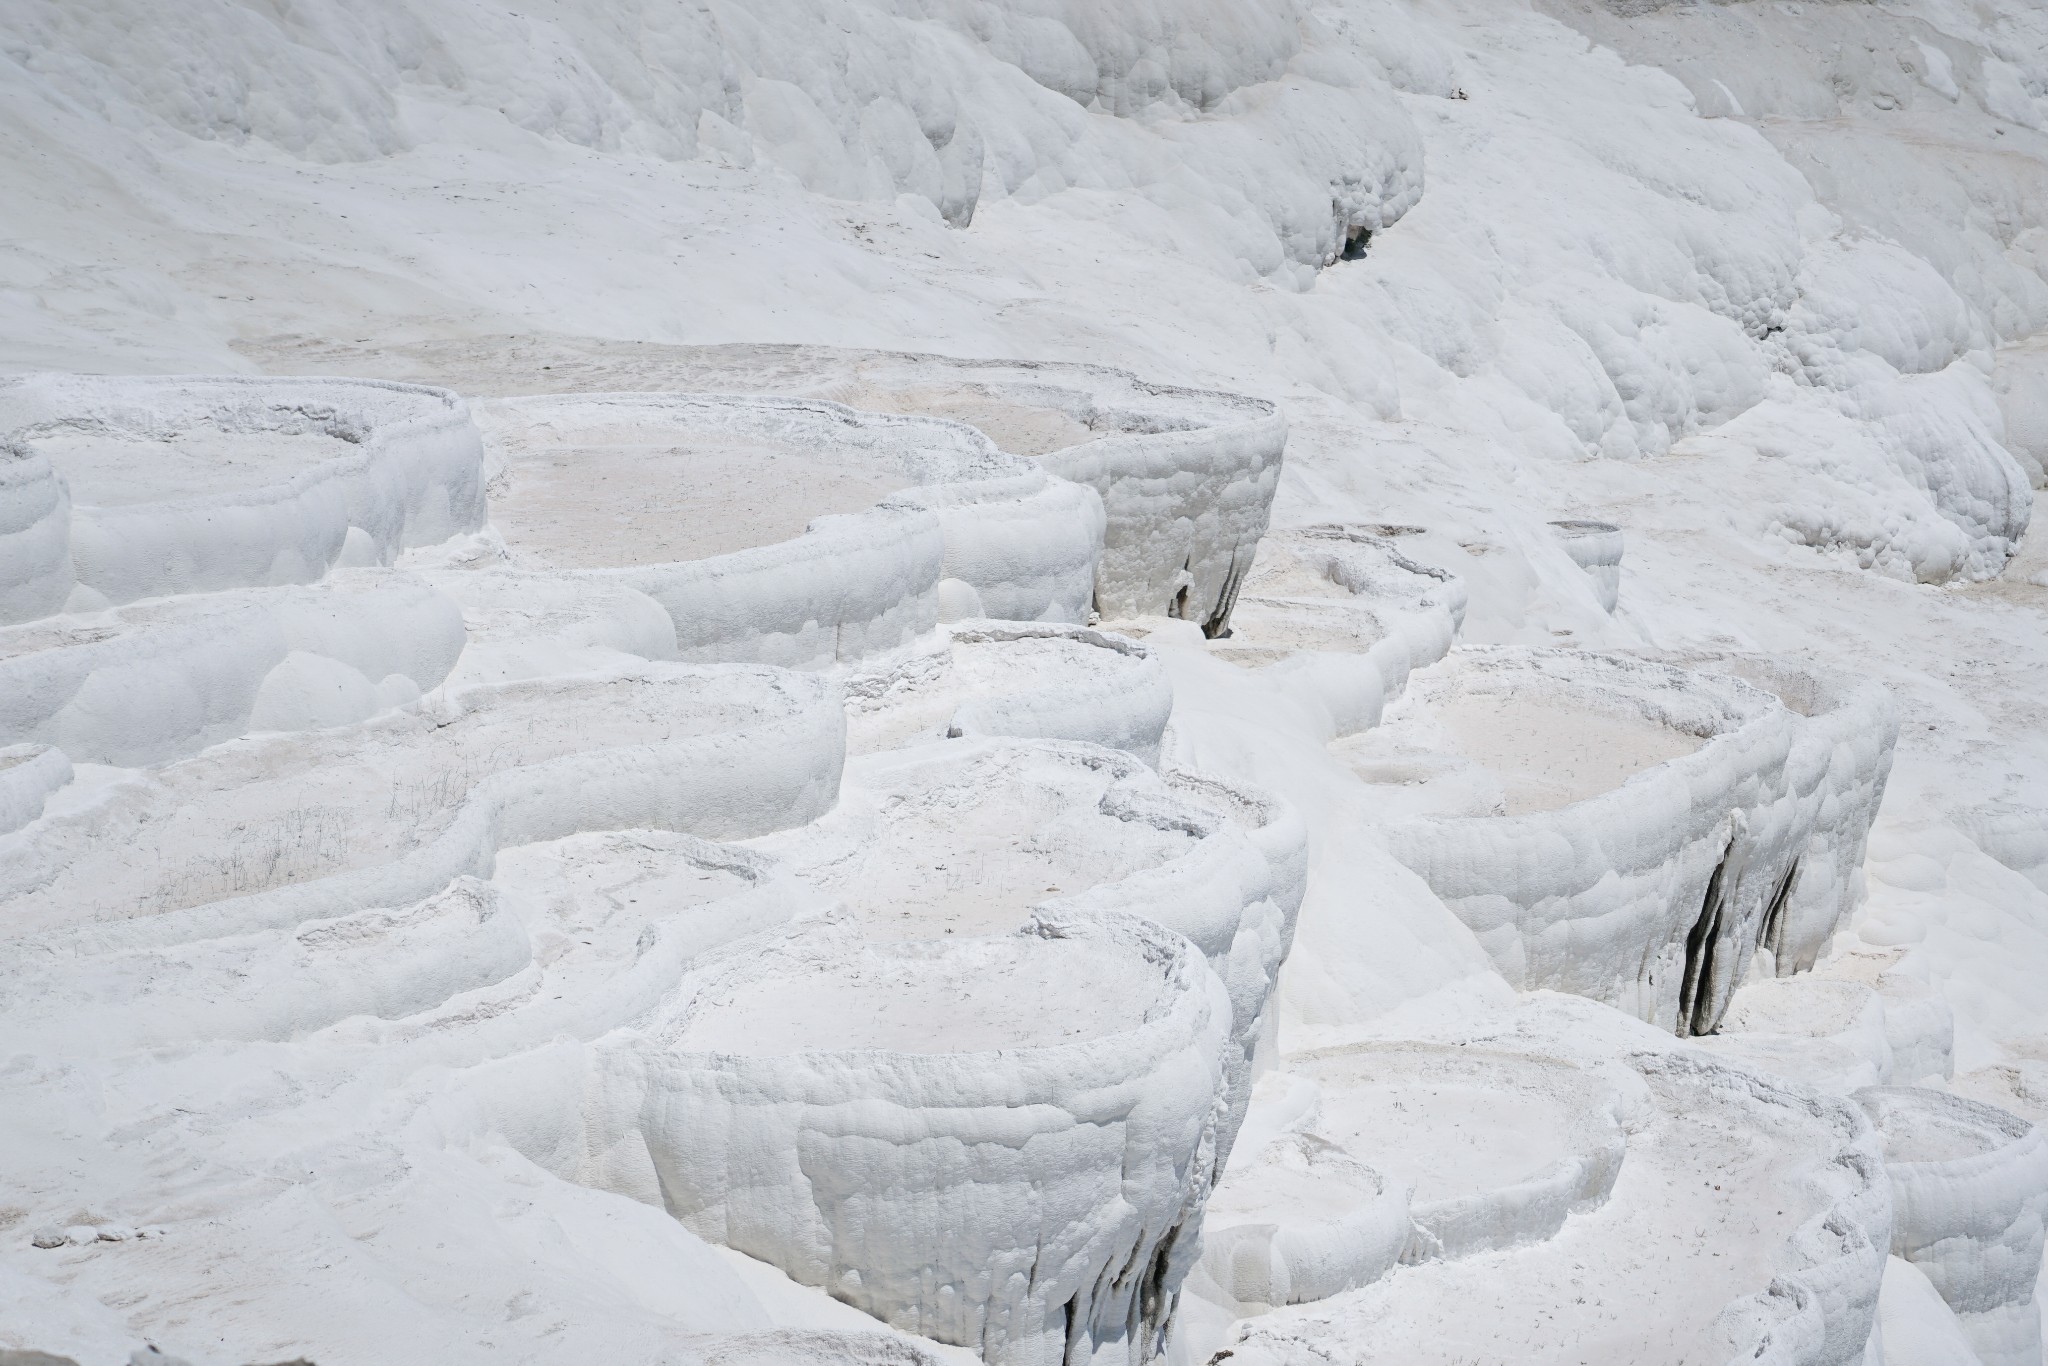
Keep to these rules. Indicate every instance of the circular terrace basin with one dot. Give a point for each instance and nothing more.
(1923, 1127)
(764, 529)
(964, 838)
(110, 469)
(274, 811)
(1495, 1148)
(1026, 680)
(1969, 1194)
(600, 890)
(1736, 1225)
(1018, 427)
(183, 485)
(1186, 477)
(972, 996)
(1552, 751)
(1300, 1222)
(1385, 564)
(991, 1141)
(583, 493)
(119, 441)
(607, 480)
(1330, 588)
(1515, 734)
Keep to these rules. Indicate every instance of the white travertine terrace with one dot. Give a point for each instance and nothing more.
(968, 677)
(1919, 1023)
(1533, 1139)
(400, 816)
(660, 849)
(1337, 588)
(1676, 812)
(744, 822)
(1803, 1292)
(1339, 617)
(1025, 679)
(1819, 1306)
(1376, 1154)
(975, 837)
(1835, 775)
(973, 1167)
(389, 812)
(1300, 1221)
(1969, 1194)
(971, 837)
(1186, 476)
(1490, 1149)
(1277, 832)
(816, 575)
(195, 484)
(161, 679)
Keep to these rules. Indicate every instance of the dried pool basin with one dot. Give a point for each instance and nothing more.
(1026, 680)
(996, 1142)
(1496, 1149)
(1509, 751)
(305, 824)
(979, 994)
(966, 837)
(594, 481)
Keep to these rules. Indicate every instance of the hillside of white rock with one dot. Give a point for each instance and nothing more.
(1023, 681)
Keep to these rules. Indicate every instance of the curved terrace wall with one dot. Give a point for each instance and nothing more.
(1186, 476)
(852, 584)
(401, 466)
(1650, 896)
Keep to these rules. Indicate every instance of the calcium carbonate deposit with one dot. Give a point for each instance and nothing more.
(1043, 682)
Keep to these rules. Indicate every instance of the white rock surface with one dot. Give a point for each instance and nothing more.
(864, 1097)
(1021, 679)
(314, 826)
(974, 837)
(28, 775)
(1301, 1222)
(1495, 1149)
(1761, 283)
(1186, 476)
(1339, 618)
(1914, 1323)
(183, 485)
(160, 680)
(1629, 832)
(1356, 1159)
(1569, 1297)
(1919, 1022)
(756, 560)
(1969, 1190)
(1836, 772)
